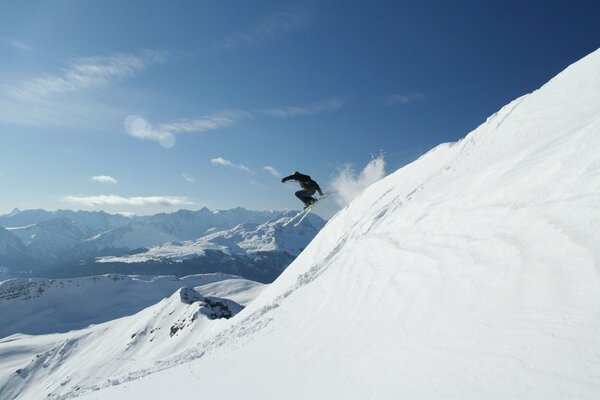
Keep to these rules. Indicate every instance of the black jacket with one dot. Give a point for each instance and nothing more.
(305, 181)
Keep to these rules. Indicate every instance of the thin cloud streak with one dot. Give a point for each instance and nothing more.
(226, 163)
(67, 99)
(89, 73)
(272, 171)
(400, 99)
(266, 30)
(206, 123)
(189, 178)
(17, 44)
(139, 201)
(311, 109)
(104, 179)
(164, 133)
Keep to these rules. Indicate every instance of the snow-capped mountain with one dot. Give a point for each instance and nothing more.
(243, 239)
(134, 235)
(14, 256)
(470, 273)
(189, 225)
(70, 241)
(200, 305)
(96, 221)
(52, 238)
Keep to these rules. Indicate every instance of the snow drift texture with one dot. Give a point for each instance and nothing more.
(471, 273)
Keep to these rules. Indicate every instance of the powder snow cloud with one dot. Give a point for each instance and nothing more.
(348, 184)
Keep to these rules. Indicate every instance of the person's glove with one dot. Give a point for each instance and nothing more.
(282, 180)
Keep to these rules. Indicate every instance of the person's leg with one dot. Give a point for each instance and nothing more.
(305, 197)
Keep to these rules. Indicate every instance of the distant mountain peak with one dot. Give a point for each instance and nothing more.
(14, 211)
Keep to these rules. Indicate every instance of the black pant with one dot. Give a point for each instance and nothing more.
(305, 196)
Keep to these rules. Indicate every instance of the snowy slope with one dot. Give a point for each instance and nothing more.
(39, 306)
(473, 272)
(34, 366)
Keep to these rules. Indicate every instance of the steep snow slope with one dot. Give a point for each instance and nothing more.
(35, 366)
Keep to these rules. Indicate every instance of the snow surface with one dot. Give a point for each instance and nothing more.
(473, 272)
(54, 362)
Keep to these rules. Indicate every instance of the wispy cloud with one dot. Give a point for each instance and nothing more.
(311, 109)
(104, 179)
(266, 30)
(206, 123)
(70, 98)
(399, 99)
(88, 73)
(164, 133)
(138, 127)
(113, 200)
(226, 163)
(188, 178)
(272, 171)
(17, 44)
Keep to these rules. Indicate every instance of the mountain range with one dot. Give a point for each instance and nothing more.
(66, 243)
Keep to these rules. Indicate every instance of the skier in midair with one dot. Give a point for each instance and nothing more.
(309, 187)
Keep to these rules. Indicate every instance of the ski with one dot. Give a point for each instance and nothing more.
(308, 210)
(295, 217)
(302, 214)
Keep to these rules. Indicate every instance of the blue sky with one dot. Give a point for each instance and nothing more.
(148, 106)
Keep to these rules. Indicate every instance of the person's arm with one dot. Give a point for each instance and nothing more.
(287, 178)
(319, 189)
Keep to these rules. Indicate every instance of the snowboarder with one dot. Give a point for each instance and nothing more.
(309, 187)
